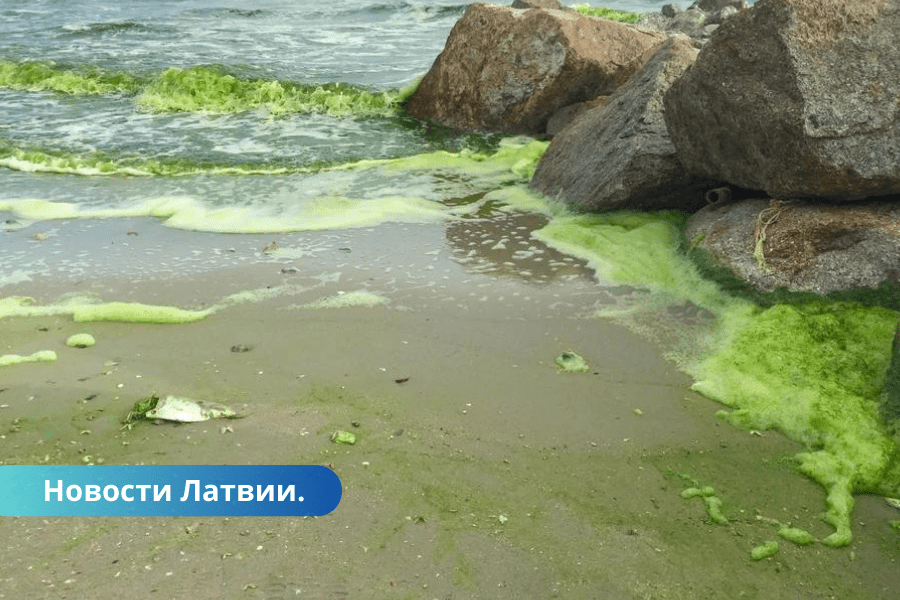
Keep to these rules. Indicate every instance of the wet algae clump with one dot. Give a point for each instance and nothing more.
(212, 89)
(809, 367)
(814, 373)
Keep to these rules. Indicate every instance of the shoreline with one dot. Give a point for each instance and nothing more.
(485, 426)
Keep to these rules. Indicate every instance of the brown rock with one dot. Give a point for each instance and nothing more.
(508, 70)
(619, 155)
(797, 98)
(803, 246)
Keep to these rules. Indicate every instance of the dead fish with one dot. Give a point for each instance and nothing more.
(185, 410)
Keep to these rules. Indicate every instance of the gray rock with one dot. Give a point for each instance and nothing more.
(669, 10)
(619, 155)
(509, 70)
(714, 6)
(564, 116)
(689, 22)
(551, 4)
(797, 98)
(802, 246)
(718, 17)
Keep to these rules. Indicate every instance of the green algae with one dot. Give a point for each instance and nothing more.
(694, 492)
(813, 369)
(801, 537)
(570, 362)
(813, 373)
(211, 89)
(607, 13)
(764, 550)
(514, 161)
(8, 360)
(511, 165)
(343, 437)
(85, 309)
(712, 502)
(37, 76)
(80, 340)
(32, 159)
(205, 89)
(135, 312)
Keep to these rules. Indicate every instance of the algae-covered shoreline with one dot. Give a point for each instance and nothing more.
(485, 472)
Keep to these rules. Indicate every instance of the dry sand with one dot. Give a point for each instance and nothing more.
(487, 474)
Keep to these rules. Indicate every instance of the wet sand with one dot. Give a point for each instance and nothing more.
(488, 473)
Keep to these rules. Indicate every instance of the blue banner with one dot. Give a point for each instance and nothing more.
(168, 491)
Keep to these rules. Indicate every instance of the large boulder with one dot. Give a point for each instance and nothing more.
(797, 98)
(619, 155)
(508, 70)
(802, 246)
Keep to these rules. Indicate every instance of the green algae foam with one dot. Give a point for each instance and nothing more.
(203, 89)
(812, 371)
(84, 310)
(445, 178)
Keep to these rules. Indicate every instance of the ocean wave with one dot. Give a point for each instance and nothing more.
(208, 89)
(517, 157)
(110, 28)
(37, 76)
(212, 89)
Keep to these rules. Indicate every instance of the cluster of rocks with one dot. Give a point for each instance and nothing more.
(777, 125)
(699, 21)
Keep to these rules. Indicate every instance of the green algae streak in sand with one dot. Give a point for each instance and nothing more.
(134, 312)
(8, 360)
(812, 371)
(764, 550)
(86, 310)
(213, 90)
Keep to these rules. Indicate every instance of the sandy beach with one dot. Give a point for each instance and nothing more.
(485, 473)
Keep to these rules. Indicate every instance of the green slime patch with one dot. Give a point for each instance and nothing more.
(607, 13)
(205, 89)
(213, 90)
(813, 371)
(86, 310)
(48, 76)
